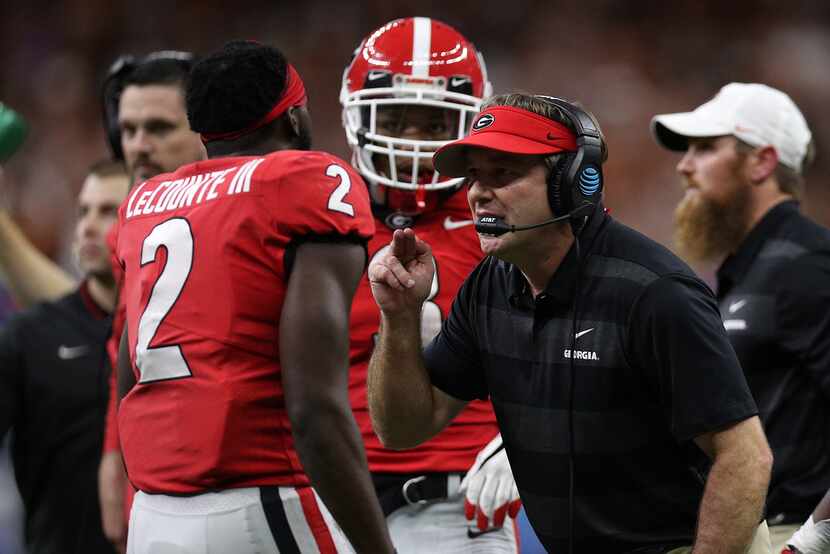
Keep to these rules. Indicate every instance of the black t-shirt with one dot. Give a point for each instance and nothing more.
(619, 391)
(774, 294)
(53, 393)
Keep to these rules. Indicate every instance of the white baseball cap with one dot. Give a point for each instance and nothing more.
(757, 114)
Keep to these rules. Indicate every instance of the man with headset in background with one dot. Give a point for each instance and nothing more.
(413, 85)
(604, 356)
(744, 154)
(150, 126)
(53, 385)
(146, 123)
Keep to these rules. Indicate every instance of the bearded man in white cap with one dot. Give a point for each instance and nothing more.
(745, 151)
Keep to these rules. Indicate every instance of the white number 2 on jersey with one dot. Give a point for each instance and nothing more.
(336, 202)
(160, 363)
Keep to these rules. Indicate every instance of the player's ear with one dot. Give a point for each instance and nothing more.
(300, 122)
(294, 120)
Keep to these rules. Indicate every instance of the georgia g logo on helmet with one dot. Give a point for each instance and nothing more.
(484, 121)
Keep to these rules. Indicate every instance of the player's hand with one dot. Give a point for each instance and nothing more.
(491, 492)
(402, 277)
(112, 482)
(811, 538)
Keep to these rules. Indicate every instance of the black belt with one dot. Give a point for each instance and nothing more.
(395, 491)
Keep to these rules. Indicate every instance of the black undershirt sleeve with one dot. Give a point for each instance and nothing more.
(452, 357)
(677, 339)
(802, 309)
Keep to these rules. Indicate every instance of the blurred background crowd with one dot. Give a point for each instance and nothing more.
(625, 61)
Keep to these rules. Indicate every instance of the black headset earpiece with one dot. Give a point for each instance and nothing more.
(575, 182)
(110, 95)
(559, 205)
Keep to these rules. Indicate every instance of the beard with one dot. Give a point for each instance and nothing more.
(706, 229)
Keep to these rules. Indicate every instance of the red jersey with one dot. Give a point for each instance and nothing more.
(455, 247)
(206, 256)
(118, 315)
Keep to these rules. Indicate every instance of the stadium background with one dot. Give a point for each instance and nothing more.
(624, 60)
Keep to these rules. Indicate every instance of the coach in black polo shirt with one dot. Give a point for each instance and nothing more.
(605, 358)
(53, 386)
(744, 153)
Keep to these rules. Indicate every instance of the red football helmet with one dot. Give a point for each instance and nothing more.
(400, 68)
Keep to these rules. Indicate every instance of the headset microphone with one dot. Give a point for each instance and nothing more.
(492, 225)
(496, 226)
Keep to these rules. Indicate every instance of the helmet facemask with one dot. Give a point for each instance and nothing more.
(403, 71)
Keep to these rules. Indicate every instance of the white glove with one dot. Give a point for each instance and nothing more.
(812, 537)
(491, 491)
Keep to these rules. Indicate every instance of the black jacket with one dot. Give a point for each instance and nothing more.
(53, 395)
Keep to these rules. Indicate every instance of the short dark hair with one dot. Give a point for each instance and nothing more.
(234, 87)
(159, 71)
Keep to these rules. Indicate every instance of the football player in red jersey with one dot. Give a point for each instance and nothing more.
(239, 273)
(413, 85)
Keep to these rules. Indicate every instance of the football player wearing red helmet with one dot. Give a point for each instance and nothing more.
(413, 85)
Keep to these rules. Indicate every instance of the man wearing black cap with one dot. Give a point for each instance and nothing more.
(613, 381)
(745, 151)
(239, 273)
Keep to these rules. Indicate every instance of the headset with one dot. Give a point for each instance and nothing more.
(575, 182)
(113, 86)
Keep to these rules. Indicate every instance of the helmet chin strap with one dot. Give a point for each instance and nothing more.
(412, 202)
(421, 196)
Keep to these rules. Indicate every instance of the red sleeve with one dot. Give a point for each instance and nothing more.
(111, 442)
(318, 194)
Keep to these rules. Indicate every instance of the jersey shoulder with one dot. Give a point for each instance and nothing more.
(312, 192)
(304, 171)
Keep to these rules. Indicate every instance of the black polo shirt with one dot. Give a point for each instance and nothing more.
(774, 294)
(621, 392)
(53, 393)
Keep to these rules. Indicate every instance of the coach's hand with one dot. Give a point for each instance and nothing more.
(402, 277)
(491, 492)
(112, 482)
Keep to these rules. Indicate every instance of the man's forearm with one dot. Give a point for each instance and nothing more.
(732, 504)
(399, 388)
(31, 277)
(331, 451)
